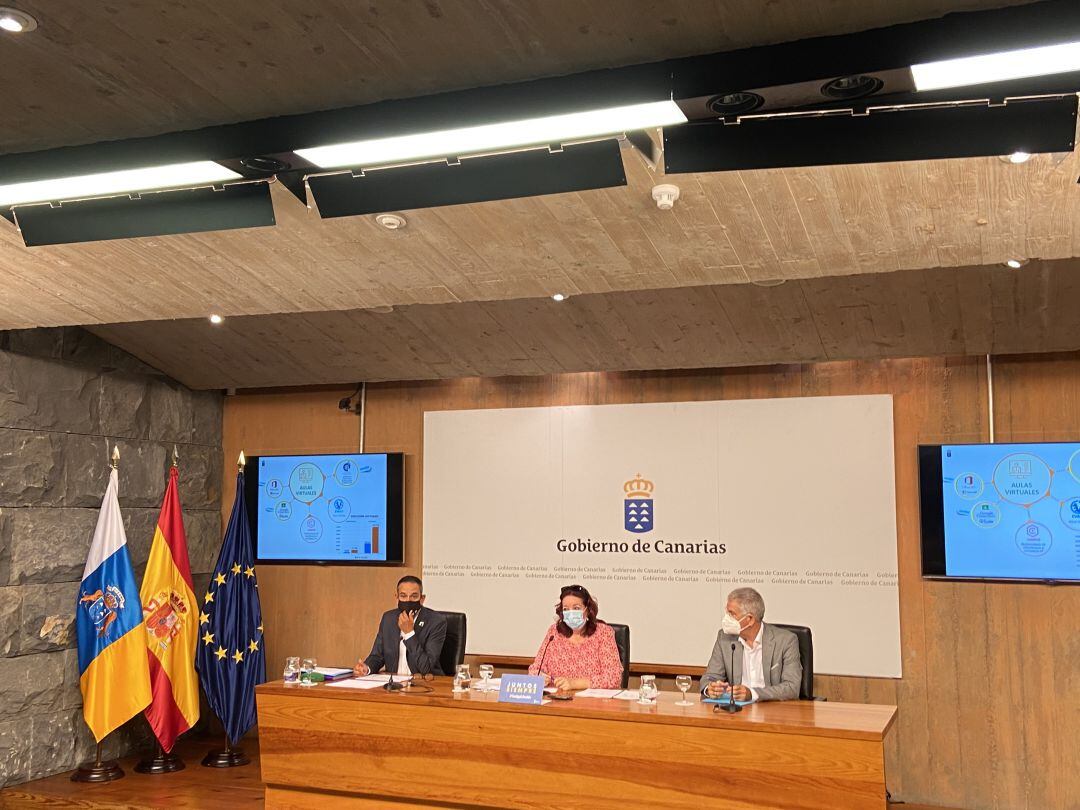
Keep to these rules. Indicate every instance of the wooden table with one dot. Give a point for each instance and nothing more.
(327, 746)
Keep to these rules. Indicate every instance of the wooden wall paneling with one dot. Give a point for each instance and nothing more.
(296, 612)
(990, 695)
(1038, 399)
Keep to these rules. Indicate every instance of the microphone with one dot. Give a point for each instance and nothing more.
(543, 655)
(732, 707)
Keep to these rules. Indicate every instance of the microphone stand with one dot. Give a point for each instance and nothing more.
(543, 655)
(732, 707)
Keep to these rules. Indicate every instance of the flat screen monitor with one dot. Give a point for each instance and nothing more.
(326, 509)
(1001, 511)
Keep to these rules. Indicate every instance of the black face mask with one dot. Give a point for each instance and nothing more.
(412, 607)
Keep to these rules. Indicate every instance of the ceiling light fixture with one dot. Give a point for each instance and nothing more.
(392, 222)
(1017, 157)
(1015, 264)
(554, 129)
(16, 22)
(997, 67)
(558, 297)
(852, 87)
(151, 178)
(216, 319)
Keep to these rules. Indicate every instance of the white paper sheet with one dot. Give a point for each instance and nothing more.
(368, 682)
(600, 693)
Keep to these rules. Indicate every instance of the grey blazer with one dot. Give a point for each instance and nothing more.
(779, 658)
(422, 650)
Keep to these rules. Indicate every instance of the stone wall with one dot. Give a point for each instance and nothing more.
(66, 398)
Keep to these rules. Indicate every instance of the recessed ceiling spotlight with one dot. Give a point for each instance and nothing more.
(392, 222)
(852, 87)
(732, 103)
(263, 163)
(1016, 264)
(558, 297)
(216, 319)
(16, 22)
(768, 282)
(1017, 157)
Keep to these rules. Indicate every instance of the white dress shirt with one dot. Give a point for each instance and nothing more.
(753, 670)
(403, 657)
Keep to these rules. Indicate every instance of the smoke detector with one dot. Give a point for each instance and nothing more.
(665, 195)
(392, 222)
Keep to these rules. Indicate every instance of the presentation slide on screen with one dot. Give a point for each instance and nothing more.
(1012, 510)
(322, 507)
(660, 510)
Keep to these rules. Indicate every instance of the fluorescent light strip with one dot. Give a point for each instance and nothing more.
(174, 175)
(997, 67)
(494, 137)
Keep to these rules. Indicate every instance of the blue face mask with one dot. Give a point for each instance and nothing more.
(574, 618)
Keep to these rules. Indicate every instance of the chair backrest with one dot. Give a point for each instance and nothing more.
(622, 641)
(806, 653)
(453, 650)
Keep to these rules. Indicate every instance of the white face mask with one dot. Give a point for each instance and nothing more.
(730, 625)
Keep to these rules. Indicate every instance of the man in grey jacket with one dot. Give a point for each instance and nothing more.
(765, 661)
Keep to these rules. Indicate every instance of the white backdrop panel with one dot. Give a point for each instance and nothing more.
(793, 496)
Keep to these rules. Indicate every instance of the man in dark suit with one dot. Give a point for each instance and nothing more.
(410, 638)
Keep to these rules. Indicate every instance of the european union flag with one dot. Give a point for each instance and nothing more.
(230, 659)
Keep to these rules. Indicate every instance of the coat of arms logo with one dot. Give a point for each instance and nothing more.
(102, 606)
(164, 616)
(638, 513)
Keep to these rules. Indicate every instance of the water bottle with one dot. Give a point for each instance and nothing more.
(291, 676)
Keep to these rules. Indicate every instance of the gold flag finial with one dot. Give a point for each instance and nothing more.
(115, 457)
(175, 456)
(241, 462)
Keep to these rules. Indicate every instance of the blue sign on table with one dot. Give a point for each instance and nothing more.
(527, 689)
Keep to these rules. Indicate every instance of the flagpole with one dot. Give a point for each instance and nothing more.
(162, 761)
(98, 771)
(228, 757)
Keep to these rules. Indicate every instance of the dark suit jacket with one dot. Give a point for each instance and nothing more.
(422, 650)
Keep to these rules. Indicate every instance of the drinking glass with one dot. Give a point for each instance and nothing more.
(647, 692)
(292, 670)
(683, 683)
(486, 671)
(462, 678)
(307, 666)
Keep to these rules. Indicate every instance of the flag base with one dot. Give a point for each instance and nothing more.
(227, 757)
(98, 772)
(160, 762)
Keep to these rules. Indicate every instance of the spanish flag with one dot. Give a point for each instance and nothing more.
(171, 615)
(112, 642)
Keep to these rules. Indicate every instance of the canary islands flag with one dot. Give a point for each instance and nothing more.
(113, 675)
(230, 656)
(171, 615)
